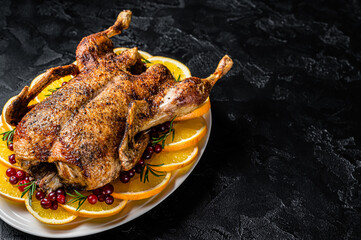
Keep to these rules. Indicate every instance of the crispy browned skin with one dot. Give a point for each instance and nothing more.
(95, 126)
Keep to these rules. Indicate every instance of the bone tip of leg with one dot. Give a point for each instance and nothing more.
(226, 62)
(224, 66)
(124, 18)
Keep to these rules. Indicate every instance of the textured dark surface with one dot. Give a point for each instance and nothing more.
(284, 157)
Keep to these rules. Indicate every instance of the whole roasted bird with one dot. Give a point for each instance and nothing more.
(95, 126)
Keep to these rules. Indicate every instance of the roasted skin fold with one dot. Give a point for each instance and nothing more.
(95, 126)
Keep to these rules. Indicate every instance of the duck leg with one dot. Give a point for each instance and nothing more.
(93, 48)
(19, 106)
(180, 98)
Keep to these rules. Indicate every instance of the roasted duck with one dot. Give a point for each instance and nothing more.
(95, 126)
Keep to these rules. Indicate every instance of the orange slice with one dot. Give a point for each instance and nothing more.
(136, 189)
(200, 111)
(169, 161)
(6, 189)
(52, 87)
(187, 134)
(7, 126)
(5, 151)
(122, 49)
(98, 210)
(178, 69)
(48, 216)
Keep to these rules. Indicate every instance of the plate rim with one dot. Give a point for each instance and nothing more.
(79, 233)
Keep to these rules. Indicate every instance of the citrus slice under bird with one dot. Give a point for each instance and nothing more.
(200, 111)
(48, 216)
(7, 126)
(136, 189)
(178, 69)
(52, 87)
(5, 152)
(8, 190)
(97, 210)
(169, 161)
(187, 134)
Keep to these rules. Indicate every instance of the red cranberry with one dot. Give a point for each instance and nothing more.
(11, 147)
(150, 149)
(124, 177)
(54, 206)
(101, 197)
(40, 195)
(97, 191)
(52, 196)
(167, 125)
(60, 191)
(92, 199)
(141, 162)
(13, 180)
(61, 198)
(12, 159)
(131, 172)
(20, 175)
(45, 203)
(147, 155)
(108, 189)
(109, 200)
(22, 188)
(64, 83)
(161, 128)
(10, 172)
(157, 148)
(27, 178)
(138, 168)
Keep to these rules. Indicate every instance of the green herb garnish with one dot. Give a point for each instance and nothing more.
(52, 91)
(178, 79)
(146, 169)
(163, 137)
(30, 187)
(80, 198)
(145, 60)
(8, 136)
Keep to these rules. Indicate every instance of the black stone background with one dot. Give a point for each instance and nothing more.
(284, 156)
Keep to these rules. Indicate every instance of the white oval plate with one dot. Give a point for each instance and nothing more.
(16, 215)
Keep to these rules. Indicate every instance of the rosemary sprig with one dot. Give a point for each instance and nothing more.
(80, 198)
(30, 187)
(178, 79)
(163, 137)
(145, 60)
(8, 136)
(52, 91)
(147, 168)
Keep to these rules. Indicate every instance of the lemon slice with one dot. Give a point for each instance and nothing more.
(6, 189)
(169, 161)
(97, 210)
(200, 111)
(48, 216)
(136, 189)
(178, 69)
(187, 134)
